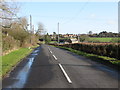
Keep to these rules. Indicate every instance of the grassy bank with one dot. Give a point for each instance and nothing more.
(113, 62)
(11, 59)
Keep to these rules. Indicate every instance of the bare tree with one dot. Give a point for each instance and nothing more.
(8, 12)
(24, 23)
(8, 9)
(40, 30)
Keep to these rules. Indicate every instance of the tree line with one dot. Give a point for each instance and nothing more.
(104, 34)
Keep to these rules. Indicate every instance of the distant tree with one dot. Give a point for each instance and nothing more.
(41, 29)
(103, 34)
(90, 32)
(54, 35)
(47, 38)
(84, 38)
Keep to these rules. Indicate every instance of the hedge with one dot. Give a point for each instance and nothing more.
(103, 49)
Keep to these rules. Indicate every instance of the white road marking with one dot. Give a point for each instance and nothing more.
(68, 79)
(50, 51)
(49, 48)
(54, 57)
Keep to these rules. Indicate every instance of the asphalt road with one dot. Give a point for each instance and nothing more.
(50, 67)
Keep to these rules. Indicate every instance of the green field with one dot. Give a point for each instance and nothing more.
(107, 39)
(53, 41)
(11, 59)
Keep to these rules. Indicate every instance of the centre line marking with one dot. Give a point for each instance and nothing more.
(68, 79)
(54, 57)
(50, 51)
(49, 48)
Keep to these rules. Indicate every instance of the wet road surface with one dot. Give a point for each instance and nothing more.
(50, 67)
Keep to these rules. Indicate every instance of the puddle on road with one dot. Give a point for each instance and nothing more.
(30, 62)
(22, 75)
(34, 54)
(36, 51)
(21, 78)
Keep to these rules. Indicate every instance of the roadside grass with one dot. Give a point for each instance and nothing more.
(11, 59)
(0, 67)
(102, 59)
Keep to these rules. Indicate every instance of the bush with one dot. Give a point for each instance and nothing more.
(110, 50)
(84, 38)
(9, 43)
(17, 35)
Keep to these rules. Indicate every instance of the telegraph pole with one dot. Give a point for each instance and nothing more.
(30, 28)
(58, 32)
(33, 29)
(78, 38)
(30, 23)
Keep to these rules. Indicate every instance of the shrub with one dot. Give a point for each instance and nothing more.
(104, 49)
(9, 43)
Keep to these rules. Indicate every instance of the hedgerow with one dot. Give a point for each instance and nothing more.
(103, 49)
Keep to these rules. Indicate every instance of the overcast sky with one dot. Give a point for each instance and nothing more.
(74, 17)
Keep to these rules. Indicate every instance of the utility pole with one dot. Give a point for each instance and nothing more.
(30, 23)
(78, 38)
(30, 28)
(33, 29)
(58, 32)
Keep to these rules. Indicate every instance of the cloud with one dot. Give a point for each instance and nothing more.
(111, 22)
(92, 15)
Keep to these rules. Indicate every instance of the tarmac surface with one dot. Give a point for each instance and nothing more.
(51, 67)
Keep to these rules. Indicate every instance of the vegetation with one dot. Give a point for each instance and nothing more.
(14, 30)
(84, 38)
(104, 34)
(47, 38)
(11, 59)
(103, 39)
(103, 49)
(102, 59)
(90, 37)
(15, 36)
(52, 42)
(0, 54)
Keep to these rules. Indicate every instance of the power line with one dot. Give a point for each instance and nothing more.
(82, 8)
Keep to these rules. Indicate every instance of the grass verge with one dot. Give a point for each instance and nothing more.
(112, 62)
(11, 59)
